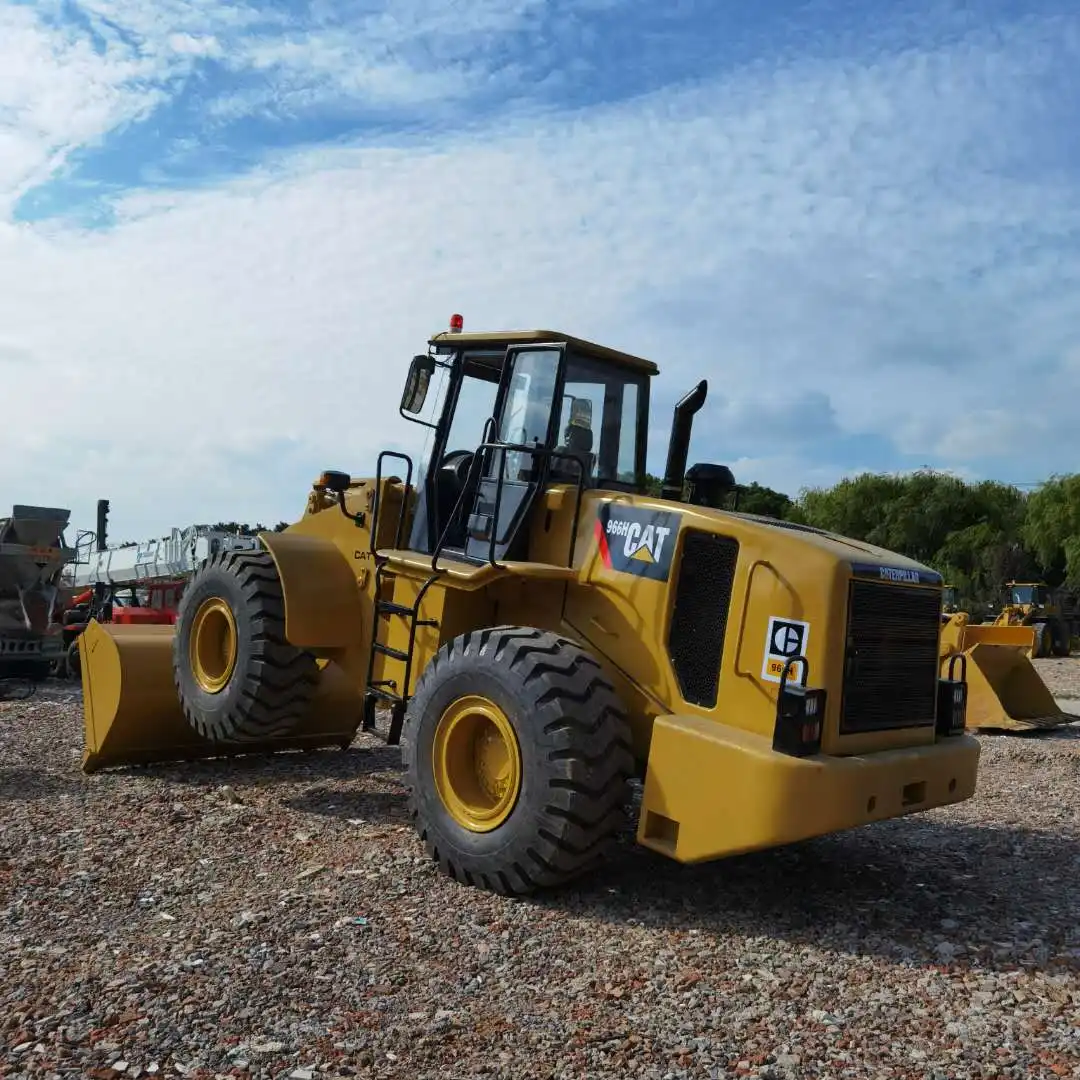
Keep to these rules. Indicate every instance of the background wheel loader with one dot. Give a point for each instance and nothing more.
(1004, 691)
(538, 631)
(1030, 605)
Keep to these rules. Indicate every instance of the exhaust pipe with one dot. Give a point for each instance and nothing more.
(102, 523)
(679, 446)
(100, 607)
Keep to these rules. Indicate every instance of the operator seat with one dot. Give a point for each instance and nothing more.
(578, 441)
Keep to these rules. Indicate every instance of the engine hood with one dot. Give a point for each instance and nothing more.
(865, 560)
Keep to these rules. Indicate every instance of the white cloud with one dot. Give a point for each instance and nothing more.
(841, 244)
(57, 92)
(196, 45)
(72, 73)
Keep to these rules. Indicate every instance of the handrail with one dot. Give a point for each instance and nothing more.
(378, 490)
(476, 463)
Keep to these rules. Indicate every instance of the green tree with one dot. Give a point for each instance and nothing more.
(238, 529)
(971, 533)
(1052, 528)
(854, 507)
(755, 498)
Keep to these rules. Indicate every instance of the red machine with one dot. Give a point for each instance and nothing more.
(160, 602)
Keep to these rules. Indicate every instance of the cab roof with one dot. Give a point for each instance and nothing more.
(501, 339)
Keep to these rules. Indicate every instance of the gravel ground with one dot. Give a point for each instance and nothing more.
(277, 918)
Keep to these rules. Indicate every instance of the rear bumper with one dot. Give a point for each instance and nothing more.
(713, 791)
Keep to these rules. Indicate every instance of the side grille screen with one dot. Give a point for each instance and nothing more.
(699, 619)
(891, 659)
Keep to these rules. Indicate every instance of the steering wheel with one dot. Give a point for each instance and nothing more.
(457, 463)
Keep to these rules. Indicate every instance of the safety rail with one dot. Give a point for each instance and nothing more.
(474, 466)
(85, 546)
(375, 506)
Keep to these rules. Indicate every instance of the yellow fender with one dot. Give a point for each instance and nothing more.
(323, 610)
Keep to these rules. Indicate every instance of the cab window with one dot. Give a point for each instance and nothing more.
(475, 406)
(526, 412)
(599, 423)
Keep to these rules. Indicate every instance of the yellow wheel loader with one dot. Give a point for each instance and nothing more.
(537, 632)
(1030, 605)
(1004, 691)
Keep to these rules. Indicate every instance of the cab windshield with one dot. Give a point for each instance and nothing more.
(1026, 594)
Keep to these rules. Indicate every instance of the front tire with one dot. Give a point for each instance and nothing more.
(517, 756)
(238, 679)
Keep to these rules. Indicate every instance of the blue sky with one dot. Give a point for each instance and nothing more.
(224, 229)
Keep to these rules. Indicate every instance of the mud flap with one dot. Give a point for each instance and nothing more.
(1006, 693)
(132, 715)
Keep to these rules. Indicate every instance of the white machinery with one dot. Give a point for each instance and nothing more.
(168, 558)
(137, 583)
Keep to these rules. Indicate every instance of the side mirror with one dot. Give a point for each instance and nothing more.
(416, 385)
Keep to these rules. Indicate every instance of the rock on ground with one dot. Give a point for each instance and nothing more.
(278, 918)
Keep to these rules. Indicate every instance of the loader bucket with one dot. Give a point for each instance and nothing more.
(132, 714)
(1017, 637)
(963, 636)
(1005, 692)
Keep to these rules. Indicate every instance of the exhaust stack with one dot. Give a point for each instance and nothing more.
(102, 524)
(679, 446)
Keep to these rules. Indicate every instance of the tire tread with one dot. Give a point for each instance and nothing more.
(585, 755)
(280, 679)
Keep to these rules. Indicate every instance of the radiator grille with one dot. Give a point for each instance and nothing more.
(699, 619)
(891, 659)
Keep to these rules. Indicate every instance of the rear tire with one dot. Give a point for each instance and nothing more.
(237, 678)
(564, 771)
(1043, 640)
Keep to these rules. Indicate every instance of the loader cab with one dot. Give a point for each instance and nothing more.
(520, 411)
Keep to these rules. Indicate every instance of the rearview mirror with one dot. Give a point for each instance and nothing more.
(416, 385)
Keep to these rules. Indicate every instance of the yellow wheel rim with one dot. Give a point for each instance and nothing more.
(213, 645)
(477, 763)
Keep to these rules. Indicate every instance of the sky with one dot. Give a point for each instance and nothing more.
(225, 228)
